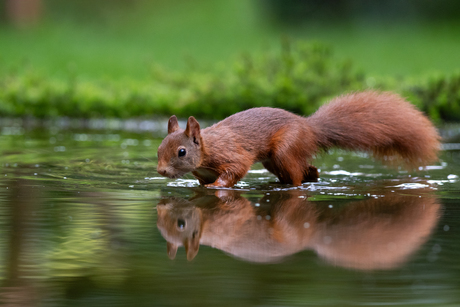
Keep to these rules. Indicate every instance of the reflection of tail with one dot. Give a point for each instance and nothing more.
(377, 233)
(382, 123)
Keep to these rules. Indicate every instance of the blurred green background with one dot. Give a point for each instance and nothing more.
(411, 42)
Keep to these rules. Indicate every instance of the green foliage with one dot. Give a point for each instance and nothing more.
(32, 95)
(438, 96)
(298, 78)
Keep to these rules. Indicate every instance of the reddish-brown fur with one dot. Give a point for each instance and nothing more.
(376, 233)
(383, 123)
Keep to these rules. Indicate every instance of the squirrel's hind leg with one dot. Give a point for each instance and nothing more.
(288, 171)
(310, 174)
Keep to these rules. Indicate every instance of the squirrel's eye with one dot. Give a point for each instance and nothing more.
(182, 152)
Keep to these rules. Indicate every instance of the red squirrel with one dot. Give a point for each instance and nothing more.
(219, 156)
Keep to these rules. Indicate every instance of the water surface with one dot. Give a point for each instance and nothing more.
(86, 221)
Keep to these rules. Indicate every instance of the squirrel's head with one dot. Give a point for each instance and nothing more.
(181, 150)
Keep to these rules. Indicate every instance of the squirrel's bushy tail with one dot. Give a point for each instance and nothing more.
(383, 123)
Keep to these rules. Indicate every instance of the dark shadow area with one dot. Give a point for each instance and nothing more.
(295, 12)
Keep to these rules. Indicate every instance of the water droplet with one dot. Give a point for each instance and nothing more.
(436, 248)
(446, 228)
(306, 225)
(268, 217)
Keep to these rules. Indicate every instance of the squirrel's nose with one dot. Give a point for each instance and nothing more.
(161, 171)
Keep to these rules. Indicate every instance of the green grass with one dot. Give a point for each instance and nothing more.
(398, 49)
(205, 33)
(173, 36)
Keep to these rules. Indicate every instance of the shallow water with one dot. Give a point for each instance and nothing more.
(86, 220)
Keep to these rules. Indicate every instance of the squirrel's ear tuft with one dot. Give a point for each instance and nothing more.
(173, 124)
(193, 127)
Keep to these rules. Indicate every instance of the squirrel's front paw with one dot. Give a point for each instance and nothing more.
(214, 185)
(219, 183)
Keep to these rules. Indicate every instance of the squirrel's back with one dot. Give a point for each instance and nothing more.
(257, 122)
(258, 132)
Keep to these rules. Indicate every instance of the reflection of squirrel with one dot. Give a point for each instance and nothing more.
(377, 233)
(221, 155)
